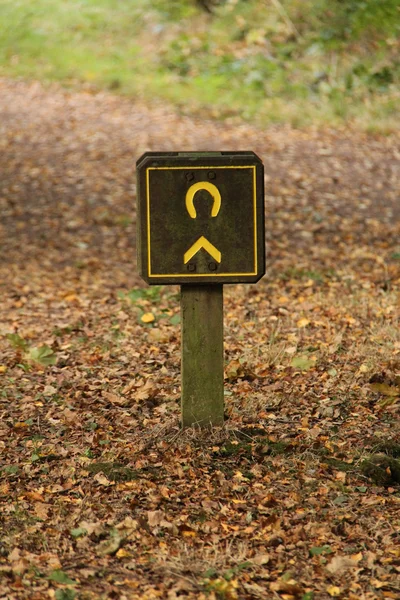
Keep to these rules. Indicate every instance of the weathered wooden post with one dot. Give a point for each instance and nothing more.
(200, 225)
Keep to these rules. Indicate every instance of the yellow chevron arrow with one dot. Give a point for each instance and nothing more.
(202, 242)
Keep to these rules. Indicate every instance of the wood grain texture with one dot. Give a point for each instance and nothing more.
(202, 355)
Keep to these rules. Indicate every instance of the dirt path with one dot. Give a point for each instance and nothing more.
(274, 503)
(67, 189)
(67, 163)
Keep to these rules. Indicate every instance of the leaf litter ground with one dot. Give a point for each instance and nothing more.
(102, 496)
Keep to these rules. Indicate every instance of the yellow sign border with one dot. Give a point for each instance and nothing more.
(192, 168)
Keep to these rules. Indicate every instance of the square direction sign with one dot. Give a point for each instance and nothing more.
(200, 217)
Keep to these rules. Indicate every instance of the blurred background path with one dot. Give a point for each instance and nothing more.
(67, 188)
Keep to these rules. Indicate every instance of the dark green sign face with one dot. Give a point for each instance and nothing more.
(200, 217)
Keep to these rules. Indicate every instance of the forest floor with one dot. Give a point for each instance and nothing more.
(102, 495)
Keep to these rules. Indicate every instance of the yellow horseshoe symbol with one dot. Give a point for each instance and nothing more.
(203, 185)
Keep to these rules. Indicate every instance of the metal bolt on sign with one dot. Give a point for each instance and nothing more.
(200, 225)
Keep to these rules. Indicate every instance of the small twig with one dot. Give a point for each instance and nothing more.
(286, 18)
(154, 435)
(176, 573)
(176, 436)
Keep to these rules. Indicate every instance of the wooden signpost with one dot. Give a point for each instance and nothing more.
(200, 225)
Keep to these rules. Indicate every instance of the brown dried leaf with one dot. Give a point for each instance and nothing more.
(338, 564)
(102, 480)
(34, 496)
(95, 527)
(261, 559)
(115, 398)
(42, 510)
(238, 370)
(148, 391)
(289, 587)
(155, 517)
